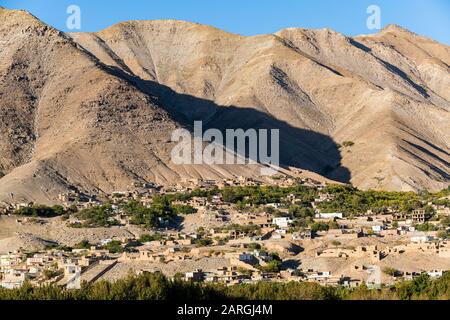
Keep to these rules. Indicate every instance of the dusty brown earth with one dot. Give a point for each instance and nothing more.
(16, 235)
(95, 112)
(388, 93)
(68, 122)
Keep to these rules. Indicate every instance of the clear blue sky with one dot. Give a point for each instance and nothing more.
(249, 17)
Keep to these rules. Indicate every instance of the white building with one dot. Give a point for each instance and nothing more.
(335, 215)
(377, 229)
(274, 205)
(36, 260)
(73, 273)
(277, 236)
(319, 275)
(196, 275)
(104, 242)
(13, 279)
(282, 222)
(435, 274)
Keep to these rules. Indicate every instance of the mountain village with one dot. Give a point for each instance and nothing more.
(221, 240)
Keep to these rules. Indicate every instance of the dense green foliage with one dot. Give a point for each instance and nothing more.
(150, 217)
(145, 287)
(98, 216)
(180, 209)
(185, 196)
(426, 227)
(83, 245)
(150, 237)
(274, 265)
(344, 198)
(324, 226)
(155, 286)
(350, 200)
(41, 211)
(203, 242)
(261, 195)
(114, 247)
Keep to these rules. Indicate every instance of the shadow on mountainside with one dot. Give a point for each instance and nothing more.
(299, 148)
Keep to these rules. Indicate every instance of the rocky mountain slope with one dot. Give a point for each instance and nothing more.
(68, 122)
(94, 111)
(387, 93)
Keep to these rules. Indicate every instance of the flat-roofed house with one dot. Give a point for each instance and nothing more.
(334, 215)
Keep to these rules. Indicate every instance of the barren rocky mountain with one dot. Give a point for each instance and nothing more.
(95, 111)
(68, 122)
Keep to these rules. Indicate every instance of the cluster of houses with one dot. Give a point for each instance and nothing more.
(233, 275)
(422, 244)
(419, 244)
(243, 270)
(229, 242)
(52, 266)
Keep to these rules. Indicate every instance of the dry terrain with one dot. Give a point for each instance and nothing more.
(17, 233)
(34, 235)
(94, 112)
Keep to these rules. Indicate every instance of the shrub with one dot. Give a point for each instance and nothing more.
(114, 247)
(83, 245)
(40, 211)
(391, 271)
(348, 143)
(50, 274)
(183, 209)
(150, 237)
